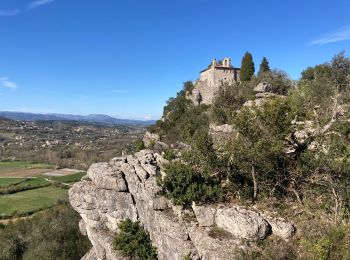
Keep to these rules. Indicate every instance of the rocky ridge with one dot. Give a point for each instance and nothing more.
(126, 187)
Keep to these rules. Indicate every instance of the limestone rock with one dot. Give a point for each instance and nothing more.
(102, 242)
(126, 188)
(242, 223)
(265, 95)
(281, 227)
(105, 177)
(263, 87)
(91, 255)
(82, 227)
(150, 139)
(205, 214)
(210, 248)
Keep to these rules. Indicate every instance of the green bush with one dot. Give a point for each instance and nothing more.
(134, 242)
(181, 119)
(139, 145)
(169, 154)
(184, 185)
(229, 99)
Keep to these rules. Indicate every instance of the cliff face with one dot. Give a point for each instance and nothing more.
(127, 188)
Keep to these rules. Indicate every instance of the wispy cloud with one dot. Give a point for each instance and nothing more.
(30, 6)
(119, 91)
(341, 34)
(6, 83)
(12, 12)
(38, 3)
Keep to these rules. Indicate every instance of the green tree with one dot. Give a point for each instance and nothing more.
(133, 241)
(51, 234)
(247, 67)
(264, 66)
(184, 184)
(256, 154)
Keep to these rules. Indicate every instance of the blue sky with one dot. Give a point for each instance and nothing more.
(126, 58)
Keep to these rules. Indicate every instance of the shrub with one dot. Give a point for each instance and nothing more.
(228, 99)
(134, 242)
(139, 145)
(169, 154)
(184, 185)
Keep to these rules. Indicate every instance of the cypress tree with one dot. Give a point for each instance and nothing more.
(264, 66)
(247, 68)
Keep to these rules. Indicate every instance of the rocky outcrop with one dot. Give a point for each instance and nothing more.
(263, 87)
(263, 93)
(126, 188)
(243, 223)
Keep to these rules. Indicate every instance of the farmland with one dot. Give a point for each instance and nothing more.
(24, 195)
(61, 144)
(30, 201)
(39, 160)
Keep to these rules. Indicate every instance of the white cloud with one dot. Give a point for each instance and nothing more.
(38, 3)
(30, 6)
(6, 83)
(341, 34)
(12, 12)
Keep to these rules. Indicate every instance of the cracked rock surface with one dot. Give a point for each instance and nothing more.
(126, 187)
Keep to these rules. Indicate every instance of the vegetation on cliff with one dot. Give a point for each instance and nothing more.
(134, 242)
(293, 149)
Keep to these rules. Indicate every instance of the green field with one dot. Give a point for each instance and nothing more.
(69, 178)
(21, 183)
(31, 200)
(26, 195)
(23, 165)
(5, 182)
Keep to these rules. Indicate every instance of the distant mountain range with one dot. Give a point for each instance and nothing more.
(94, 118)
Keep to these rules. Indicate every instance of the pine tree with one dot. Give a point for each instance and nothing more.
(264, 66)
(247, 68)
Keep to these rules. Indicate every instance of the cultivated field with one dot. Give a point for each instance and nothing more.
(30, 201)
(26, 188)
(23, 169)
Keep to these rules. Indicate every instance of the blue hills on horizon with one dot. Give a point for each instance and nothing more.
(93, 118)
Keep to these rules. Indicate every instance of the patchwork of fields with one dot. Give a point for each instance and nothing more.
(26, 188)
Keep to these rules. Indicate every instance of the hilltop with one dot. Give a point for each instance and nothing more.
(255, 172)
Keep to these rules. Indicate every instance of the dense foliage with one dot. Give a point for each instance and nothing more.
(181, 119)
(134, 242)
(289, 153)
(264, 66)
(247, 67)
(183, 185)
(51, 234)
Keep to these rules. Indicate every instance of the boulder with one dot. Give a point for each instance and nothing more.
(205, 214)
(281, 227)
(106, 177)
(263, 87)
(242, 223)
(211, 248)
(150, 139)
